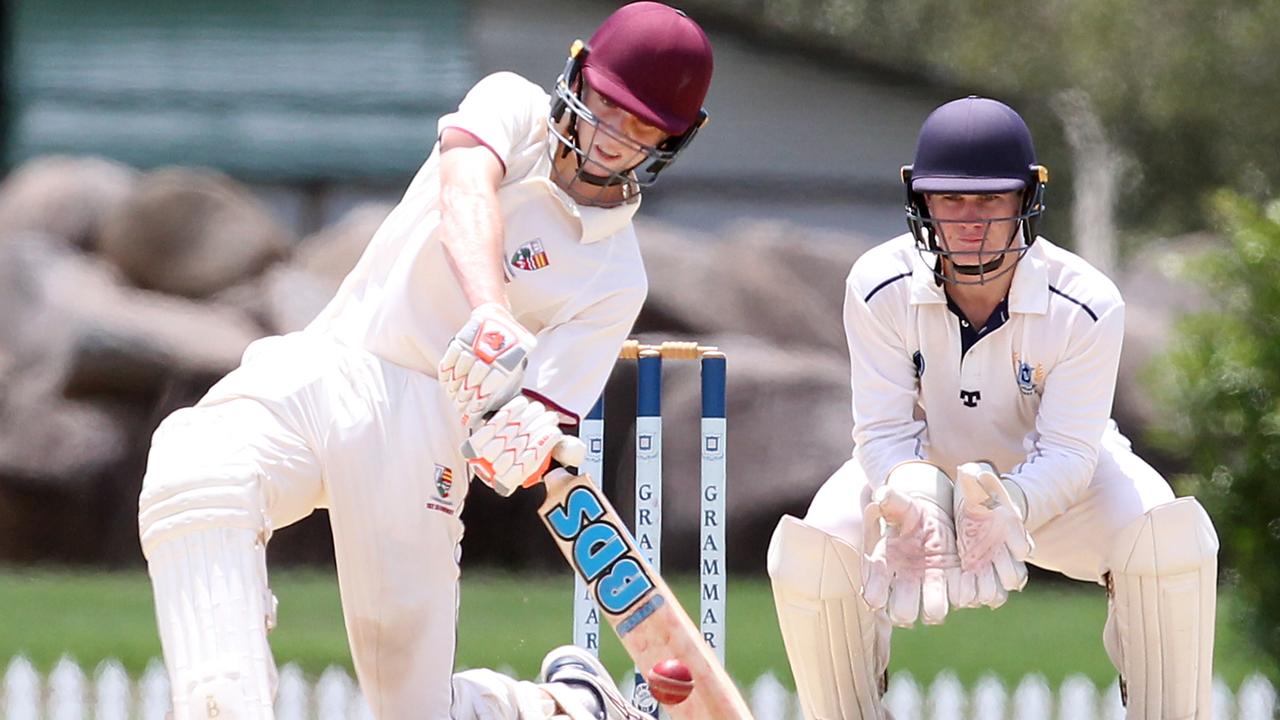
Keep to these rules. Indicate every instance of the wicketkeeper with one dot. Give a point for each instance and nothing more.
(984, 363)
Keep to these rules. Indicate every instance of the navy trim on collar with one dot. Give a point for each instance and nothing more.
(1058, 292)
(885, 284)
(969, 335)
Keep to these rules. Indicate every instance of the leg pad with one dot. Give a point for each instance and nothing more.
(838, 647)
(1160, 624)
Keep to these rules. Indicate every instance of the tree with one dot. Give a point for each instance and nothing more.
(1187, 89)
(1220, 384)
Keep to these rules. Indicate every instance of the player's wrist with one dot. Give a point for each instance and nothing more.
(500, 312)
(493, 308)
(922, 479)
(1017, 495)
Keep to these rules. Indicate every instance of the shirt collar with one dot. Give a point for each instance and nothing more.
(1029, 292)
(925, 289)
(594, 223)
(599, 223)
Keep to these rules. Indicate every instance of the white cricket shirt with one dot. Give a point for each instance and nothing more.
(575, 277)
(1031, 392)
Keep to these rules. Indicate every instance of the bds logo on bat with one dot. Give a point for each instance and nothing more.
(601, 554)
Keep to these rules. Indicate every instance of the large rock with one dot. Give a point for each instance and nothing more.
(69, 474)
(51, 442)
(330, 253)
(297, 291)
(291, 293)
(789, 427)
(88, 367)
(66, 197)
(69, 318)
(770, 280)
(191, 233)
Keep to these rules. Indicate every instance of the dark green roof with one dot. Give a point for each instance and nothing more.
(283, 90)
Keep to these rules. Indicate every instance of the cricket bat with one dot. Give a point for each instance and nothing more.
(642, 610)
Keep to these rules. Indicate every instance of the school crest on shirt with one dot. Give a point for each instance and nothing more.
(444, 480)
(443, 484)
(530, 256)
(1030, 377)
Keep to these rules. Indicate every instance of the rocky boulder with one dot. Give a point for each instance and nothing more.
(90, 367)
(770, 280)
(292, 292)
(191, 233)
(65, 197)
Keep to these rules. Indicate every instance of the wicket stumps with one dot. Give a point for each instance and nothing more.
(648, 489)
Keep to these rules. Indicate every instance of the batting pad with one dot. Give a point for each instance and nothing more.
(212, 613)
(827, 628)
(205, 543)
(1159, 632)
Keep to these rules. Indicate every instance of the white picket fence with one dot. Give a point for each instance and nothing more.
(68, 693)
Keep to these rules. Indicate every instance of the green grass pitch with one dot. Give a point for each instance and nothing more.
(510, 621)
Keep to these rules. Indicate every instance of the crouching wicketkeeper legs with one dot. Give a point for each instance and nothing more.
(837, 645)
(1163, 594)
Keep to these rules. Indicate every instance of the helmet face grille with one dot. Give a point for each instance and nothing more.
(567, 128)
(567, 125)
(992, 258)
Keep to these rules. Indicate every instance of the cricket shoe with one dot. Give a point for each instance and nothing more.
(590, 685)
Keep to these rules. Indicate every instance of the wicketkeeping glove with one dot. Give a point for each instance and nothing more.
(994, 543)
(514, 448)
(483, 367)
(909, 545)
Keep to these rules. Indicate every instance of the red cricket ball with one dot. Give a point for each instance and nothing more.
(670, 682)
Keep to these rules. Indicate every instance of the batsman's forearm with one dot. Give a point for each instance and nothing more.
(471, 232)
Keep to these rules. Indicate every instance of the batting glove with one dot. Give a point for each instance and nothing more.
(483, 367)
(514, 448)
(994, 543)
(910, 557)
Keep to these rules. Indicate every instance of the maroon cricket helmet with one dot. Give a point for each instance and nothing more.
(655, 62)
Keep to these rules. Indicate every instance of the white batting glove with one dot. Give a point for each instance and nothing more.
(514, 448)
(994, 543)
(910, 557)
(483, 367)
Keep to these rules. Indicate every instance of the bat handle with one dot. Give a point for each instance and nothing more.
(569, 454)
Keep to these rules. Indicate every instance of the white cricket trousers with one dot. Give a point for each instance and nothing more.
(1159, 554)
(307, 423)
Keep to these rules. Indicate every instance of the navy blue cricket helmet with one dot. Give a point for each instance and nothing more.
(968, 146)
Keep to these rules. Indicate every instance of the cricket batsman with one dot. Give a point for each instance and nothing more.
(481, 322)
(984, 363)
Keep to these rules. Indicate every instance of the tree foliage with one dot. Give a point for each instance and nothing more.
(1220, 384)
(1186, 88)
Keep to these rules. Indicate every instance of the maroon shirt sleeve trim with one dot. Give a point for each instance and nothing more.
(567, 418)
(480, 140)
